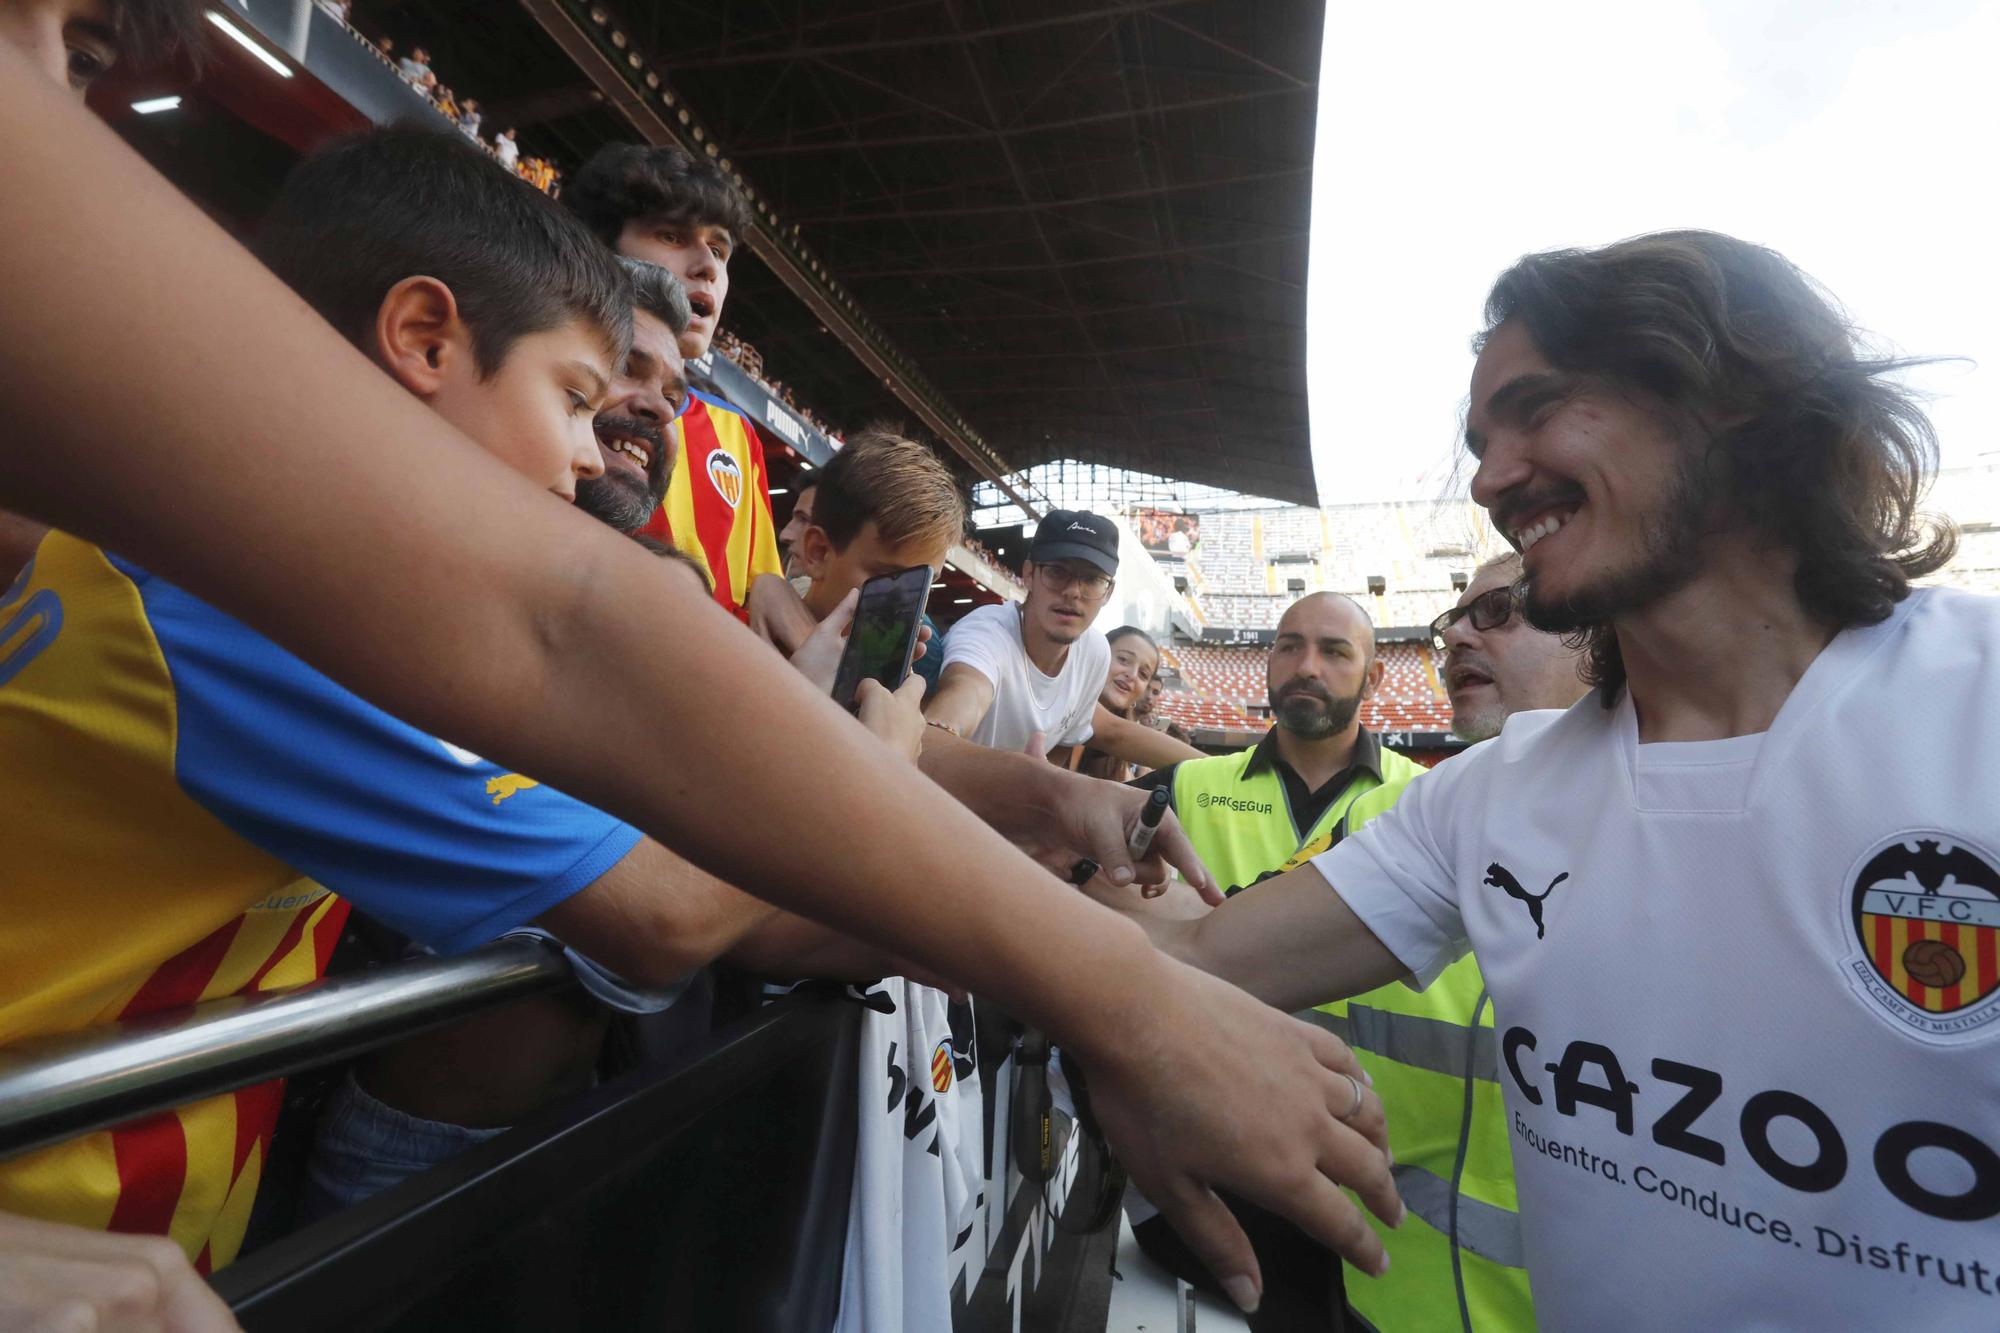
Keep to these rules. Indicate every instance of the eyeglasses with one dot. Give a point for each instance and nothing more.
(1490, 610)
(1058, 578)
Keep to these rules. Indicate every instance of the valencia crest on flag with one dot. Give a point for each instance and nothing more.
(1926, 916)
(941, 1066)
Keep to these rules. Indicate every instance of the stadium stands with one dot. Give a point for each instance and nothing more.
(1242, 575)
(1221, 684)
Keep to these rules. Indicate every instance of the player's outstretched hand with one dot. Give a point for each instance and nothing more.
(1225, 1091)
(63, 1279)
(1096, 819)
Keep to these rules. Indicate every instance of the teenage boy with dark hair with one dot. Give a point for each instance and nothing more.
(74, 43)
(660, 203)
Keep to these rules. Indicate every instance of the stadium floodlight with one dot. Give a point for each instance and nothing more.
(153, 106)
(250, 44)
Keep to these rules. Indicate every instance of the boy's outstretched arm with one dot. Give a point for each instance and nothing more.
(166, 397)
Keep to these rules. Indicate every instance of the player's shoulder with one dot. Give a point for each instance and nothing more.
(1937, 643)
(1931, 617)
(1530, 739)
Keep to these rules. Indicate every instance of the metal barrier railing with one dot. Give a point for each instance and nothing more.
(57, 1088)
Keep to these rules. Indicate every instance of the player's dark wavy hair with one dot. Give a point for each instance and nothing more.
(1808, 439)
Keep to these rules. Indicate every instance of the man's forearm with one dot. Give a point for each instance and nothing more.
(788, 946)
(1291, 941)
(1014, 793)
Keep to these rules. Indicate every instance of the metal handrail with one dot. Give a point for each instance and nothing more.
(56, 1088)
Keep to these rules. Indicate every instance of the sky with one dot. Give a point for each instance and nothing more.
(1862, 140)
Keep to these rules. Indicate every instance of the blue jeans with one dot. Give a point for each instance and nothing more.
(363, 1146)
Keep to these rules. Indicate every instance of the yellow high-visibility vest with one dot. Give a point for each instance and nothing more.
(1419, 1047)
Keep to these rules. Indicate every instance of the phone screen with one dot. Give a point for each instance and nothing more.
(884, 635)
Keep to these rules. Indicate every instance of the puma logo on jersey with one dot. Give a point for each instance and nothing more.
(1497, 876)
(507, 784)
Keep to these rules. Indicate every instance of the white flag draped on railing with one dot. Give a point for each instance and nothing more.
(919, 1164)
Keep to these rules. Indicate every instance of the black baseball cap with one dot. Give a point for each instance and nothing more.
(1076, 534)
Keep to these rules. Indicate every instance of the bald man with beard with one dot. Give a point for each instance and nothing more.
(1317, 774)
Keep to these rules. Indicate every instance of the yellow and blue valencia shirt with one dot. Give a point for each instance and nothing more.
(184, 800)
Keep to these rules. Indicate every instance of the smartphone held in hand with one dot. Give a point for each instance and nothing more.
(883, 639)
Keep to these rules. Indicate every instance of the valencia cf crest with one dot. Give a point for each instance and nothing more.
(726, 475)
(941, 1066)
(1924, 908)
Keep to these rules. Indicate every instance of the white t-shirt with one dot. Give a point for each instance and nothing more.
(1730, 1107)
(1024, 700)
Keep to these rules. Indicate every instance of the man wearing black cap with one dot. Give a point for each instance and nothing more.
(1026, 675)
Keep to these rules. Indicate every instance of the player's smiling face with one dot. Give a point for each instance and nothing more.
(1594, 487)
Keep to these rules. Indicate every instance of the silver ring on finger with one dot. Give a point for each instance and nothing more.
(1351, 1111)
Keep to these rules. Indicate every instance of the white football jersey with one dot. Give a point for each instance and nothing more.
(1745, 991)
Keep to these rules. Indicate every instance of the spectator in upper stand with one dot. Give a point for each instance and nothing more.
(415, 65)
(663, 204)
(469, 117)
(635, 428)
(1028, 674)
(75, 42)
(1135, 659)
(1496, 664)
(803, 489)
(506, 149)
(884, 503)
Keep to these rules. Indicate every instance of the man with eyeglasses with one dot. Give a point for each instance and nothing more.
(1027, 675)
(1495, 663)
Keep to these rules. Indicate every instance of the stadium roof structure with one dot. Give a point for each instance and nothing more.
(1048, 228)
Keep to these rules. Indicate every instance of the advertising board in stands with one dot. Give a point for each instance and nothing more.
(1167, 530)
(719, 375)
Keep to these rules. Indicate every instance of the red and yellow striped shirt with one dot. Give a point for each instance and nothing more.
(718, 505)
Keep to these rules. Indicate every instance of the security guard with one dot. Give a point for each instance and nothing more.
(1314, 778)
